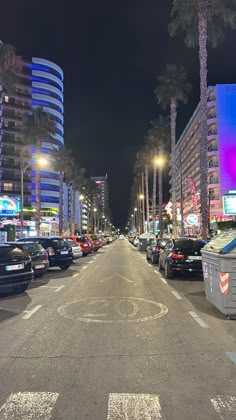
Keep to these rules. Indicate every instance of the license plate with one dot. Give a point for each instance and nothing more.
(14, 267)
(64, 252)
(39, 266)
(195, 257)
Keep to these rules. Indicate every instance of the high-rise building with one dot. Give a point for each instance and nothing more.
(221, 121)
(101, 198)
(40, 84)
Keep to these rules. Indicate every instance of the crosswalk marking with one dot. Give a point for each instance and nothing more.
(134, 406)
(28, 406)
(225, 406)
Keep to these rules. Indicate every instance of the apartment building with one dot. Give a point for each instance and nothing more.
(221, 120)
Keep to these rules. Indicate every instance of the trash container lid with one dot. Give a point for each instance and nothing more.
(224, 243)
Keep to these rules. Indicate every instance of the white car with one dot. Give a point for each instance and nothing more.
(121, 237)
(136, 241)
(76, 249)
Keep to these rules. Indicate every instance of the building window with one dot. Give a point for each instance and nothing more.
(6, 98)
(8, 186)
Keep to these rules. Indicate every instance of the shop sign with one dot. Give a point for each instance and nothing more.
(192, 219)
(9, 206)
(229, 204)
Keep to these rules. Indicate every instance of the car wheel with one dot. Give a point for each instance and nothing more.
(20, 289)
(64, 267)
(168, 271)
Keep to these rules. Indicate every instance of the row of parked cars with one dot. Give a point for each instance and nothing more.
(179, 255)
(27, 258)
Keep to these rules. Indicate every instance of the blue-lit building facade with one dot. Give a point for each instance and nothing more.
(40, 84)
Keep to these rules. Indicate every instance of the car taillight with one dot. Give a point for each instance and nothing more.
(174, 255)
(158, 248)
(46, 256)
(50, 251)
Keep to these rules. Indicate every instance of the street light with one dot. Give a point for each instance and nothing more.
(23, 168)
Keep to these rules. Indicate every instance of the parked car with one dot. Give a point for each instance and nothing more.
(76, 249)
(154, 249)
(136, 241)
(83, 242)
(38, 254)
(181, 255)
(109, 239)
(121, 237)
(103, 240)
(97, 243)
(58, 249)
(16, 271)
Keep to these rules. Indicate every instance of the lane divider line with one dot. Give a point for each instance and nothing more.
(59, 288)
(198, 319)
(231, 356)
(91, 262)
(177, 295)
(163, 280)
(75, 275)
(84, 268)
(31, 312)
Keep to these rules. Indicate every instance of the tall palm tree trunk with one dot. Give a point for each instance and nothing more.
(143, 202)
(72, 209)
(160, 201)
(173, 115)
(147, 196)
(37, 187)
(61, 205)
(202, 30)
(154, 198)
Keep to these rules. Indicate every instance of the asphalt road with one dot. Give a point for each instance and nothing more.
(111, 339)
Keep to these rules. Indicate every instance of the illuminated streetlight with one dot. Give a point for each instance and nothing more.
(159, 161)
(135, 209)
(81, 197)
(42, 161)
(141, 197)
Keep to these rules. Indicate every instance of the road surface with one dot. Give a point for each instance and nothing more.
(111, 339)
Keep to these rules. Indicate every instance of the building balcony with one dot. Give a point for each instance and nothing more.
(212, 153)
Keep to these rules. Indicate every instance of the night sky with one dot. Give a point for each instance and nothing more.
(111, 52)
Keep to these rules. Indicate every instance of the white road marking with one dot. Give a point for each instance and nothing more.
(59, 288)
(199, 320)
(225, 406)
(56, 288)
(176, 294)
(115, 276)
(163, 280)
(75, 275)
(84, 268)
(29, 406)
(91, 262)
(134, 406)
(31, 312)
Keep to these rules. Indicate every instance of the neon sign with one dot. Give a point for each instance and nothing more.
(8, 206)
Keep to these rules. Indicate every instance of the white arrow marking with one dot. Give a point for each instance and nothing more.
(114, 276)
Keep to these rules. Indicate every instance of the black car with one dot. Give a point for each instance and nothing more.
(58, 249)
(15, 269)
(39, 256)
(154, 249)
(181, 255)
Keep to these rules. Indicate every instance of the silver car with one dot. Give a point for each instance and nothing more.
(76, 249)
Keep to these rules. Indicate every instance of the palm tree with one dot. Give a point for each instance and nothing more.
(203, 21)
(162, 133)
(38, 126)
(62, 164)
(10, 64)
(139, 170)
(172, 89)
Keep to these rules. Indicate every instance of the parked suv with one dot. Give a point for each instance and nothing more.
(38, 254)
(58, 249)
(15, 269)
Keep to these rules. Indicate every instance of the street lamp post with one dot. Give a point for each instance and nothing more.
(142, 209)
(94, 221)
(81, 199)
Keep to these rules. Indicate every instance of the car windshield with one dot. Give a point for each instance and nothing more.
(72, 243)
(81, 239)
(59, 243)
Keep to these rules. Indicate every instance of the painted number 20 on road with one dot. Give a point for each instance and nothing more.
(113, 309)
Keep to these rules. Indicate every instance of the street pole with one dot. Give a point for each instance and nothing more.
(22, 199)
(160, 202)
(181, 196)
